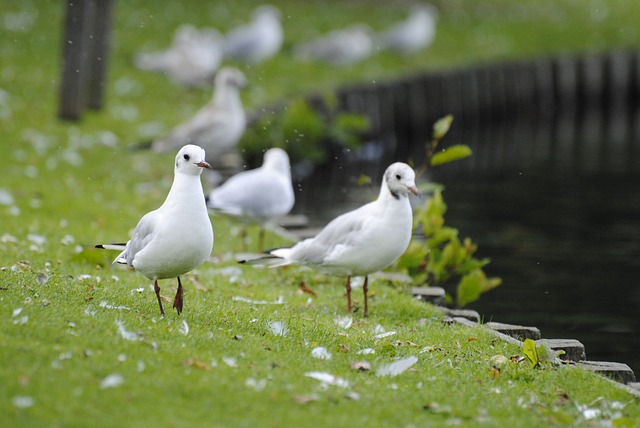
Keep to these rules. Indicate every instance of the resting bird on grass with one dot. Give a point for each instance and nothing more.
(191, 60)
(258, 40)
(218, 126)
(177, 237)
(339, 48)
(259, 195)
(360, 242)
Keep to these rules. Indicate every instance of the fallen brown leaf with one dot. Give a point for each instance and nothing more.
(192, 362)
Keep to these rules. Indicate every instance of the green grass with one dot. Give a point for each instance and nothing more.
(71, 342)
(74, 185)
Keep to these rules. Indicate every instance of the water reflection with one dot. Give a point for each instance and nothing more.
(555, 204)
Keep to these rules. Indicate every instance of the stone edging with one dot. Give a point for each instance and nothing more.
(574, 352)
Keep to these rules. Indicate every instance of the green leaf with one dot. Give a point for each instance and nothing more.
(413, 257)
(473, 284)
(453, 153)
(530, 350)
(441, 127)
(363, 179)
(352, 122)
(469, 289)
(450, 253)
(440, 234)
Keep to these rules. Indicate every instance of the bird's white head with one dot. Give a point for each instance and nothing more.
(230, 76)
(267, 12)
(400, 179)
(190, 160)
(185, 35)
(277, 159)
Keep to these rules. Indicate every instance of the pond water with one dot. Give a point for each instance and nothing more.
(555, 206)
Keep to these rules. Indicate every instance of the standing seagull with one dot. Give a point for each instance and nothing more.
(177, 237)
(258, 40)
(259, 195)
(218, 125)
(362, 241)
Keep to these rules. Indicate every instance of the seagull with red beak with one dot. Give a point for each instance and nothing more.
(177, 237)
(359, 242)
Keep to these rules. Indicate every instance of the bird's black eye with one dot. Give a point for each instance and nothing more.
(398, 176)
(186, 156)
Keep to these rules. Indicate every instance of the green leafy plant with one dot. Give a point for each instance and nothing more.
(442, 258)
(530, 350)
(537, 353)
(304, 130)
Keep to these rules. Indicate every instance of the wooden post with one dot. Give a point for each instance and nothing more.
(85, 51)
(98, 59)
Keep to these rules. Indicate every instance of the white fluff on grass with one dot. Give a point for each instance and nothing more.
(321, 353)
(397, 367)
(343, 322)
(328, 379)
(279, 328)
(112, 381)
(126, 334)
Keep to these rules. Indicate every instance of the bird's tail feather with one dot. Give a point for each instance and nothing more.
(119, 247)
(267, 261)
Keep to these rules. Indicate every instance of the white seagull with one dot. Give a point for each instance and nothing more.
(177, 237)
(362, 241)
(218, 126)
(339, 47)
(191, 60)
(413, 34)
(258, 40)
(259, 195)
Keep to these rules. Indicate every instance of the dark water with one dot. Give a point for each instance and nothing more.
(568, 250)
(555, 205)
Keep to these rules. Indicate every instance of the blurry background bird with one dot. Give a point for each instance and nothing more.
(416, 32)
(258, 196)
(191, 60)
(258, 40)
(218, 126)
(339, 47)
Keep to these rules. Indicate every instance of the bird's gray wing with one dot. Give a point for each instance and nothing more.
(142, 236)
(342, 233)
(201, 129)
(240, 42)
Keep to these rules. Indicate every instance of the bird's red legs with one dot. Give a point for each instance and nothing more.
(157, 290)
(305, 289)
(365, 290)
(177, 301)
(349, 294)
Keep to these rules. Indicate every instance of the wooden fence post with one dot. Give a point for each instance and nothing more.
(98, 59)
(85, 51)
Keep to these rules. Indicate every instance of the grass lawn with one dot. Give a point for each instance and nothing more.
(82, 343)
